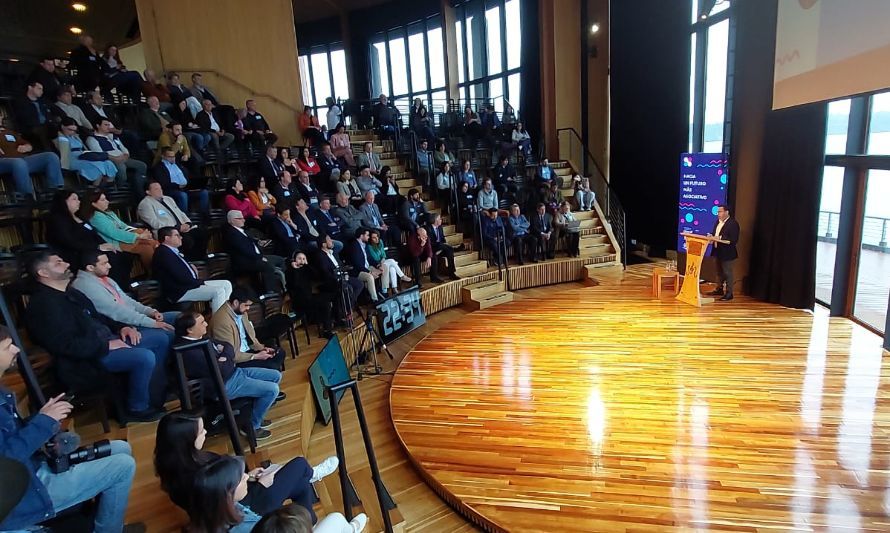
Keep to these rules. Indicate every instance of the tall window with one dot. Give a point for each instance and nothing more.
(854, 214)
(323, 74)
(489, 44)
(710, 82)
(408, 62)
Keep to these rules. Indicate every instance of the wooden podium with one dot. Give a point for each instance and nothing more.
(696, 248)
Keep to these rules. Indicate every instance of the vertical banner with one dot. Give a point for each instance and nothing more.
(703, 186)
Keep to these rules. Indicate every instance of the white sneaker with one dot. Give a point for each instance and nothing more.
(359, 522)
(325, 468)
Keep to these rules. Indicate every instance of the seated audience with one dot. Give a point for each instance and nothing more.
(584, 195)
(420, 252)
(159, 211)
(306, 163)
(68, 109)
(90, 68)
(565, 226)
(442, 155)
(173, 137)
(552, 196)
(217, 489)
(308, 125)
(285, 234)
(287, 162)
(208, 122)
(95, 110)
(341, 146)
(270, 166)
(493, 234)
(467, 174)
(107, 479)
(489, 120)
(487, 197)
(151, 87)
(328, 222)
(126, 82)
(542, 229)
(200, 91)
(505, 176)
(256, 129)
(378, 259)
(84, 349)
(351, 218)
(389, 198)
(544, 174)
(115, 231)
(329, 268)
(182, 97)
(368, 158)
(246, 256)
(472, 125)
(179, 455)
(152, 120)
(71, 235)
(309, 233)
(263, 200)
(175, 184)
(348, 187)
(412, 213)
(308, 193)
(94, 167)
(317, 306)
(421, 121)
(440, 245)
(466, 202)
(17, 157)
(385, 118)
(44, 73)
(293, 518)
(284, 189)
(33, 116)
(356, 256)
(329, 169)
(237, 200)
(509, 115)
(522, 141)
(367, 182)
(520, 234)
(375, 219)
(231, 324)
(179, 279)
(103, 140)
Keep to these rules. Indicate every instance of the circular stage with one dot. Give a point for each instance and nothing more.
(604, 409)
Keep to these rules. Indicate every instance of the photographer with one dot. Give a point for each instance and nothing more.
(108, 477)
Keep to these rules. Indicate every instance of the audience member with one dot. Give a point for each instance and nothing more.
(544, 174)
(342, 146)
(151, 87)
(356, 256)
(306, 163)
(231, 323)
(552, 196)
(293, 518)
(472, 125)
(152, 120)
(175, 184)
(217, 489)
(493, 235)
(309, 233)
(487, 197)
(368, 158)
(584, 195)
(442, 155)
(23, 439)
(103, 140)
(375, 219)
(93, 167)
(348, 187)
(421, 122)
(284, 189)
(489, 119)
(317, 306)
(85, 60)
(505, 176)
(94, 109)
(209, 124)
(367, 181)
(542, 229)
(179, 279)
(33, 116)
(333, 279)
(115, 231)
(173, 137)
(377, 258)
(237, 200)
(66, 106)
(389, 198)
(520, 234)
(424, 162)
(328, 222)
(202, 92)
(159, 211)
(522, 141)
(509, 115)
(270, 166)
(440, 244)
(44, 73)
(125, 81)
(420, 252)
(85, 349)
(386, 118)
(182, 97)
(246, 256)
(412, 213)
(445, 183)
(566, 226)
(466, 174)
(308, 124)
(287, 162)
(17, 158)
(256, 127)
(308, 193)
(351, 218)
(285, 234)
(334, 114)
(329, 169)
(466, 202)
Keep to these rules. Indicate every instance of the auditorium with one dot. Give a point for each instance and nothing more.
(443, 266)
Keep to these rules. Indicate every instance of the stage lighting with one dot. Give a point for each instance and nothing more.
(77, 6)
(75, 30)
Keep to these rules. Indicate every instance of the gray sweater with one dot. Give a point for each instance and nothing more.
(128, 312)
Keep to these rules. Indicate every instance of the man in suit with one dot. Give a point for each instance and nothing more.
(208, 121)
(256, 127)
(231, 323)
(440, 246)
(326, 220)
(179, 279)
(284, 232)
(269, 168)
(356, 256)
(412, 213)
(246, 255)
(283, 189)
(369, 159)
(726, 229)
(521, 235)
(542, 229)
(492, 233)
(327, 265)
(159, 211)
(33, 116)
(351, 219)
(373, 215)
(152, 120)
(174, 182)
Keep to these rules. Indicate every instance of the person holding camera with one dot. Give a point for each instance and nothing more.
(50, 492)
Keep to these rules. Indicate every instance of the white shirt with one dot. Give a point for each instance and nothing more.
(333, 117)
(330, 255)
(718, 230)
(213, 125)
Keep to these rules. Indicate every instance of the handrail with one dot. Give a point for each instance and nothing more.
(239, 84)
(875, 230)
(574, 151)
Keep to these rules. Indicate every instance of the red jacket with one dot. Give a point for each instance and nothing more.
(245, 206)
(420, 251)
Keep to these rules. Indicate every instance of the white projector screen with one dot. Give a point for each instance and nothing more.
(827, 49)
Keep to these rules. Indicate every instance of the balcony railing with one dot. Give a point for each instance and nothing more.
(875, 230)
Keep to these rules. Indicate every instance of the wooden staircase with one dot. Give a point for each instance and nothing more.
(486, 294)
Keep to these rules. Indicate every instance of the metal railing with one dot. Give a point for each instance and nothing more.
(875, 230)
(571, 149)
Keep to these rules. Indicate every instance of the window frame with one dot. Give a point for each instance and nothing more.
(328, 50)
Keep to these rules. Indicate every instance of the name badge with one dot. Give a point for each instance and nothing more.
(87, 226)
(287, 193)
(10, 138)
(161, 212)
(259, 116)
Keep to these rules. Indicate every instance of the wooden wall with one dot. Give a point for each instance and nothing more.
(244, 50)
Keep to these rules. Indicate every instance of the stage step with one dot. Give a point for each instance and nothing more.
(490, 301)
(408, 183)
(585, 215)
(477, 291)
(364, 486)
(602, 273)
(472, 268)
(465, 258)
(595, 249)
(455, 239)
(449, 229)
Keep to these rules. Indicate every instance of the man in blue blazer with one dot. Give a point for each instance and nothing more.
(179, 279)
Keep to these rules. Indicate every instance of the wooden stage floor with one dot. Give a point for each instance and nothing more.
(603, 409)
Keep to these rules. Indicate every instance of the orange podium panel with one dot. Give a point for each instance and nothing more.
(696, 248)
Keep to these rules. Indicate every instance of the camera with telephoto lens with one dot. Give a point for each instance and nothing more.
(62, 452)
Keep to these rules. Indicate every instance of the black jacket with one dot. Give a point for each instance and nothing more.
(67, 325)
(94, 117)
(729, 232)
(270, 170)
(26, 116)
(175, 277)
(71, 239)
(242, 249)
(502, 174)
(536, 226)
(353, 256)
(203, 121)
(160, 173)
(327, 224)
(255, 122)
(412, 215)
(195, 362)
(89, 66)
(285, 245)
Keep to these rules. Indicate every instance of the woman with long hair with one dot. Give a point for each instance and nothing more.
(308, 124)
(260, 197)
(377, 257)
(306, 162)
(287, 162)
(110, 227)
(218, 488)
(124, 80)
(179, 457)
(349, 187)
(521, 140)
(294, 519)
(236, 200)
(389, 198)
(341, 145)
(71, 235)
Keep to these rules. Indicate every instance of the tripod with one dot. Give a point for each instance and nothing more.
(346, 298)
(370, 334)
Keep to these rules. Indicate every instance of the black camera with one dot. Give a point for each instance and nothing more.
(62, 452)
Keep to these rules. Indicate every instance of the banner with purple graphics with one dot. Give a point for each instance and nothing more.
(703, 186)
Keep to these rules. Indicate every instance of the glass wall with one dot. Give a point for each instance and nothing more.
(489, 44)
(710, 82)
(409, 62)
(323, 74)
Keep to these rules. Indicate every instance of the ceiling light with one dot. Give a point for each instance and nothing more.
(13, 60)
(75, 30)
(77, 6)
(594, 28)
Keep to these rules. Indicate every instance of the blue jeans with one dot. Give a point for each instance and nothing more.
(22, 167)
(196, 140)
(109, 477)
(258, 383)
(145, 364)
(182, 199)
